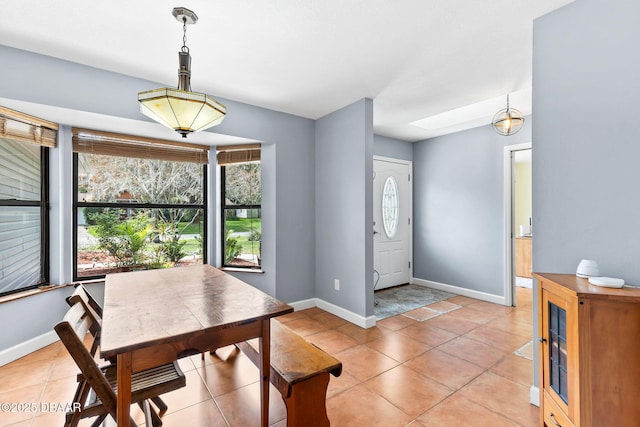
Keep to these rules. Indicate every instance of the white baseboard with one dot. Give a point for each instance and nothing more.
(496, 299)
(20, 350)
(356, 319)
(349, 316)
(534, 396)
(304, 304)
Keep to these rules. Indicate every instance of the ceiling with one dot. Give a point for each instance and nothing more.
(431, 66)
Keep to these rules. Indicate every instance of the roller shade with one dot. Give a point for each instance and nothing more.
(25, 128)
(19, 247)
(238, 154)
(115, 144)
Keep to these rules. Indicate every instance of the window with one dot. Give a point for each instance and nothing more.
(140, 203)
(241, 196)
(390, 211)
(24, 219)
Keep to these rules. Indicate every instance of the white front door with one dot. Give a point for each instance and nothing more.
(392, 222)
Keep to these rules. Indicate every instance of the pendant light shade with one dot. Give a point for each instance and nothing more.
(180, 109)
(508, 120)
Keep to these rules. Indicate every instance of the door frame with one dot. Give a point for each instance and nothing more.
(509, 256)
(409, 163)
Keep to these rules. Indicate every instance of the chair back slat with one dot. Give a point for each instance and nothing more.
(91, 305)
(78, 320)
(72, 330)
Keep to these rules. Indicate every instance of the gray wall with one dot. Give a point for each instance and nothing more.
(458, 205)
(585, 165)
(392, 148)
(289, 167)
(344, 185)
(587, 139)
(30, 317)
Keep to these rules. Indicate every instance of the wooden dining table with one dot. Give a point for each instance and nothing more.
(154, 317)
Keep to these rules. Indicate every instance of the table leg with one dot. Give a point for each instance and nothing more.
(265, 370)
(124, 389)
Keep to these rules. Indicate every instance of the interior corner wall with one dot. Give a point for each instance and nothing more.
(586, 149)
(458, 208)
(344, 185)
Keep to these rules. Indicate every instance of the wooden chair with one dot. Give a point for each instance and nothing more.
(93, 309)
(96, 392)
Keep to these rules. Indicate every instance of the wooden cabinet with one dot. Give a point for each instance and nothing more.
(589, 353)
(523, 256)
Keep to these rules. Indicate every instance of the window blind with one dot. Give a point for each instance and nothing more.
(25, 128)
(115, 144)
(20, 215)
(231, 154)
(19, 248)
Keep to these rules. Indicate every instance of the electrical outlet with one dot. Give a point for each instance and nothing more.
(336, 284)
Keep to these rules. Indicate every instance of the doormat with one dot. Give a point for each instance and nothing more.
(400, 299)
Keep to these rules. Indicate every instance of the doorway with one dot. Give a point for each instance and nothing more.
(392, 207)
(518, 220)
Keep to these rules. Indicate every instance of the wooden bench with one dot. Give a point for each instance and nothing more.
(300, 371)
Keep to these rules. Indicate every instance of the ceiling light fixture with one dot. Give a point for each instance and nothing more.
(508, 120)
(180, 109)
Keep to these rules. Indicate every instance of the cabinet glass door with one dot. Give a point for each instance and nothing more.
(558, 351)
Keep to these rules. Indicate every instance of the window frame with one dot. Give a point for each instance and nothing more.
(44, 206)
(224, 207)
(77, 205)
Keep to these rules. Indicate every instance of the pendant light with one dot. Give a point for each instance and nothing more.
(180, 109)
(508, 120)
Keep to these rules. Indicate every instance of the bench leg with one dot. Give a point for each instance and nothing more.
(306, 407)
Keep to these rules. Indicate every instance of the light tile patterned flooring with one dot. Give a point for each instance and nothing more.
(449, 364)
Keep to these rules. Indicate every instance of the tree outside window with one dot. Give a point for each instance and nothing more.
(137, 213)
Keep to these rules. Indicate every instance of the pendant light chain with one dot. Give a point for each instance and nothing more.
(184, 35)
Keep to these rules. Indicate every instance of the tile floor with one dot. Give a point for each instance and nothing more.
(458, 362)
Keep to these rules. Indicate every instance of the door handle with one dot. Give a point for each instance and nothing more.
(553, 420)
